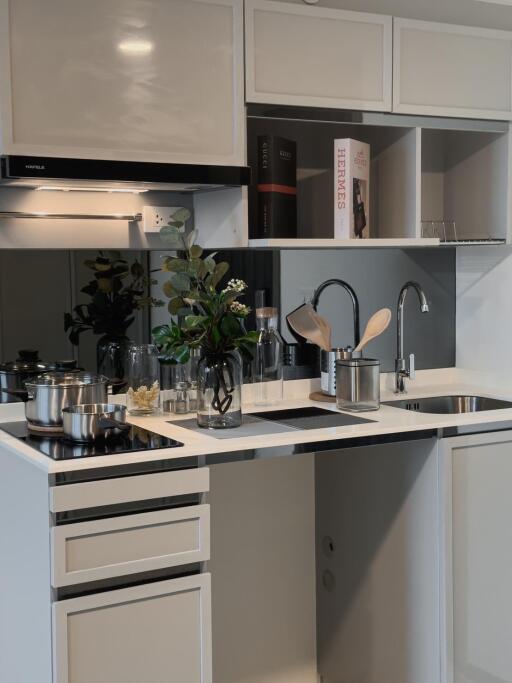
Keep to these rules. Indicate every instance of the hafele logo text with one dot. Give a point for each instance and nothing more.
(36, 167)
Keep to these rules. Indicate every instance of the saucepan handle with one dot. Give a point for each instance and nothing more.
(22, 394)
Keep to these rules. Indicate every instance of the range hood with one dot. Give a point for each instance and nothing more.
(132, 176)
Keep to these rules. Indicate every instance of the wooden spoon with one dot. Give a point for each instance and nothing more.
(375, 326)
(308, 324)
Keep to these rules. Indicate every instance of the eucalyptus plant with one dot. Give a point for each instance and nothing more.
(206, 316)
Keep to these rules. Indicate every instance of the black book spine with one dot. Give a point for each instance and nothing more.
(277, 188)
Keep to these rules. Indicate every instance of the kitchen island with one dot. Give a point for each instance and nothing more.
(112, 554)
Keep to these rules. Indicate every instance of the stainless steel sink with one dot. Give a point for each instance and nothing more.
(449, 405)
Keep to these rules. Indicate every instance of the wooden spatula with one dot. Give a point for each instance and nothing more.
(375, 326)
(306, 322)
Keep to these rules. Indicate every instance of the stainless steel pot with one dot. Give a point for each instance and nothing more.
(14, 374)
(49, 394)
(84, 423)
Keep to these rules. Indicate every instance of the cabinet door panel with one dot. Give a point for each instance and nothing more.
(479, 556)
(158, 632)
(317, 57)
(160, 80)
(446, 70)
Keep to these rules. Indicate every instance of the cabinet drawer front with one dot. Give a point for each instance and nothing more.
(91, 551)
(155, 632)
(314, 57)
(446, 70)
(128, 489)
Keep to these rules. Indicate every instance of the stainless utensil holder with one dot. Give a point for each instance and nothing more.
(328, 367)
(358, 384)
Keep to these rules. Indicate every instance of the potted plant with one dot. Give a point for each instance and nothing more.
(118, 289)
(207, 317)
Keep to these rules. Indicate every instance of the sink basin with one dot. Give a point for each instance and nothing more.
(449, 405)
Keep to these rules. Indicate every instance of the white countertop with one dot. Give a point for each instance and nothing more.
(387, 420)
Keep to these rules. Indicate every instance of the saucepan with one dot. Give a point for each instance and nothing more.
(49, 394)
(90, 422)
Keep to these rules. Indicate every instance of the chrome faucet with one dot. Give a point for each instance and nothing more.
(401, 369)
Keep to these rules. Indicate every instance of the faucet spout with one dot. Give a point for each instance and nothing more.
(353, 297)
(401, 371)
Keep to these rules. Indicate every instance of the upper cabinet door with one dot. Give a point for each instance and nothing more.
(445, 70)
(317, 57)
(159, 80)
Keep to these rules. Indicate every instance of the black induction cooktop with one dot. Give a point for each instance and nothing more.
(57, 447)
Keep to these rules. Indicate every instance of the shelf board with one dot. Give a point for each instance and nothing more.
(329, 243)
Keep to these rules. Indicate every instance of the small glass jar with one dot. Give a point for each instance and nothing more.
(181, 401)
(143, 394)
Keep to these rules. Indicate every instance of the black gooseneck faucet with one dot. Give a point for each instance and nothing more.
(353, 296)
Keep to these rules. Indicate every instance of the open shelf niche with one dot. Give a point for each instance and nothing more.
(394, 169)
(421, 171)
(465, 182)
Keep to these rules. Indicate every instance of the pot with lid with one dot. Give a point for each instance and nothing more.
(14, 374)
(49, 394)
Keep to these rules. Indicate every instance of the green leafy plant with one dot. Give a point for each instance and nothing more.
(117, 290)
(205, 316)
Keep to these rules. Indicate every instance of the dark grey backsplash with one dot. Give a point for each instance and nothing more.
(37, 287)
(377, 275)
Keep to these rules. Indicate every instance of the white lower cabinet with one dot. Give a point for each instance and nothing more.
(157, 632)
(476, 481)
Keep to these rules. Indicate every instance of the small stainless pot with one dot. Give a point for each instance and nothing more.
(49, 394)
(84, 423)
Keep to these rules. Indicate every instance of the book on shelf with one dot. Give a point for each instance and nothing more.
(351, 189)
(276, 188)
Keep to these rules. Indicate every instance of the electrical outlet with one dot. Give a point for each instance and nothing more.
(154, 217)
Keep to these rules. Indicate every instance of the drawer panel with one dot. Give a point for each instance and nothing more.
(101, 549)
(128, 489)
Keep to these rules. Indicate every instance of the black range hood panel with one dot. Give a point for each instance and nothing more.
(32, 171)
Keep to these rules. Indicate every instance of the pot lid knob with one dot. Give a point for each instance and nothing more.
(28, 356)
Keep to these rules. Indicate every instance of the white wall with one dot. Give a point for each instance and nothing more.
(484, 308)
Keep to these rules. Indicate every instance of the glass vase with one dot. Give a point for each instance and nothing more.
(143, 394)
(219, 391)
(111, 360)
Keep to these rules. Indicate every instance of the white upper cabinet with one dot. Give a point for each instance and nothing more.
(159, 80)
(446, 70)
(311, 56)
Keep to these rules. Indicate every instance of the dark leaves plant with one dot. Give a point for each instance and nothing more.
(117, 290)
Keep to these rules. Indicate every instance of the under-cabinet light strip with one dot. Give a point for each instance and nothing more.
(76, 216)
(109, 190)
